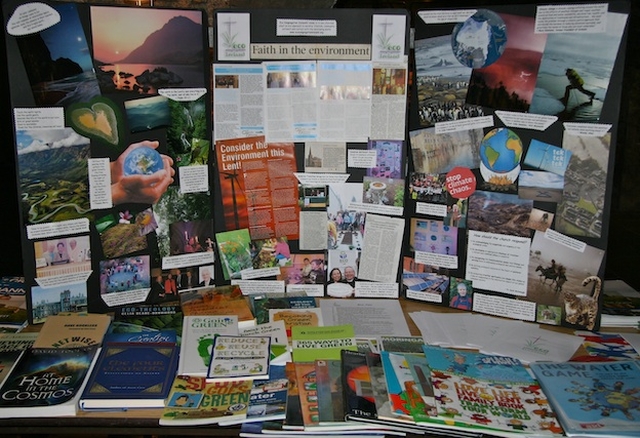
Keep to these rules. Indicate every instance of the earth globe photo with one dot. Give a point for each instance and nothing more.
(479, 40)
(142, 161)
(500, 154)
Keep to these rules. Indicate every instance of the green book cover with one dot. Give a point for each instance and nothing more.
(324, 342)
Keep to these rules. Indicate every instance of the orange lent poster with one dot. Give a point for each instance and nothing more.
(258, 186)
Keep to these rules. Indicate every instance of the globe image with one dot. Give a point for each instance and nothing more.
(479, 40)
(501, 150)
(142, 161)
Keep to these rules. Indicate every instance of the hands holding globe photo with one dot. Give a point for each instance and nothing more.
(141, 174)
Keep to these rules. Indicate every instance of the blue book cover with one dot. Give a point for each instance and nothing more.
(132, 374)
(46, 382)
(593, 398)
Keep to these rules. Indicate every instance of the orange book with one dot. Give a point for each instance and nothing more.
(218, 300)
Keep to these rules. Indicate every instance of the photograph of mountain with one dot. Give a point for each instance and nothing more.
(143, 50)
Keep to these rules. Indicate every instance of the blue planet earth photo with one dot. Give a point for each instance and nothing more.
(142, 161)
(479, 40)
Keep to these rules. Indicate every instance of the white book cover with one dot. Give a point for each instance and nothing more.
(198, 333)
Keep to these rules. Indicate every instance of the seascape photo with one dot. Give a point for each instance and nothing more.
(147, 113)
(141, 50)
(53, 175)
(575, 71)
(58, 63)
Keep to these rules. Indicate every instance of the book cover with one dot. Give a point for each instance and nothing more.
(239, 358)
(71, 330)
(132, 373)
(604, 347)
(488, 391)
(12, 345)
(293, 418)
(195, 401)
(329, 387)
(326, 342)
(198, 333)
(307, 392)
(147, 317)
(219, 300)
(262, 303)
(357, 390)
(268, 399)
(402, 344)
(311, 317)
(13, 308)
(591, 398)
(46, 382)
(404, 398)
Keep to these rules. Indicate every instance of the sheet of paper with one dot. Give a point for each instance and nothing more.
(369, 317)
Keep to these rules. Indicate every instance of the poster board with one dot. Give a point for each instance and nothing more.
(309, 130)
(513, 120)
(111, 111)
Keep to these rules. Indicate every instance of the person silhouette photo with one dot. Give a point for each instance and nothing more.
(575, 82)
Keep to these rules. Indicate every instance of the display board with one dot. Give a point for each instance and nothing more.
(111, 110)
(512, 135)
(309, 129)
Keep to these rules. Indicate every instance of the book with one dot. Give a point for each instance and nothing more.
(195, 401)
(358, 398)
(132, 371)
(404, 398)
(593, 398)
(477, 390)
(603, 347)
(46, 382)
(402, 344)
(198, 333)
(620, 305)
(218, 300)
(262, 303)
(239, 358)
(293, 417)
(12, 345)
(147, 317)
(329, 387)
(268, 399)
(307, 392)
(326, 342)
(13, 304)
(72, 330)
(310, 317)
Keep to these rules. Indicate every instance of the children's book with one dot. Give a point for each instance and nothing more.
(311, 343)
(218, 300)
(195, 401)
(72, 330)
(239, 358)
(46, 382)
(268, 399)
(198, 333)
(603, 347)
(133, 370)
(593, 398)
(487, 391)
(404, 398)
(262, 303)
